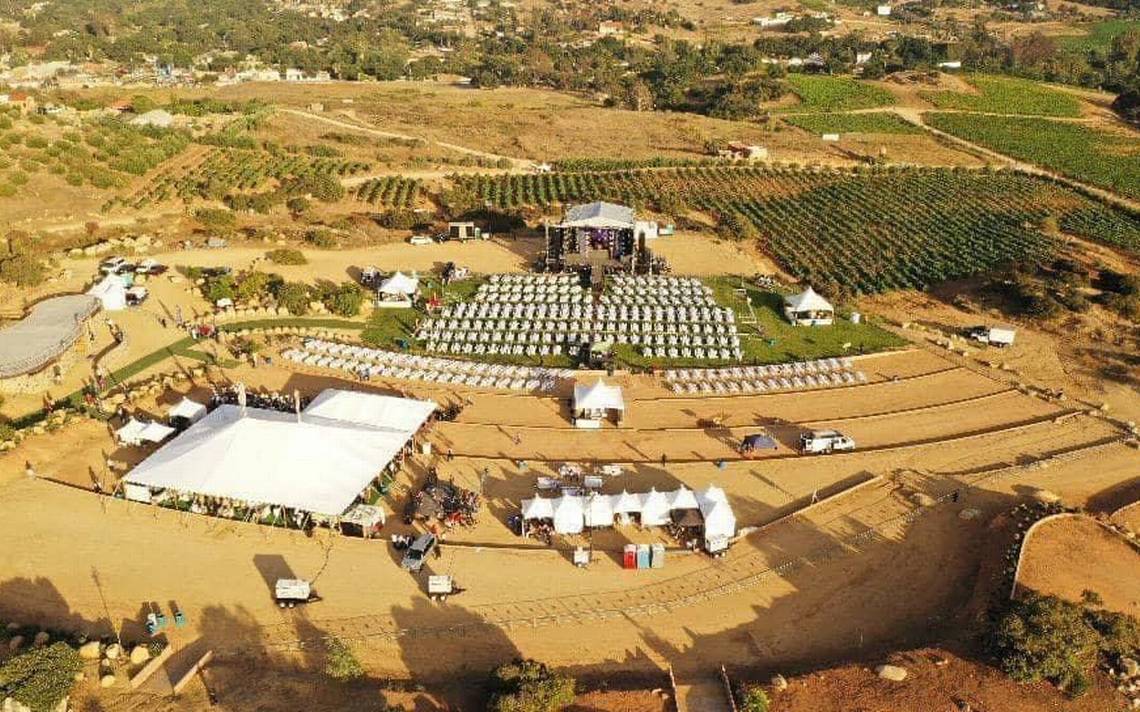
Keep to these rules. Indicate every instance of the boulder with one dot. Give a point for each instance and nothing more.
(107, 681)
(1045, 496)
(779, 683)
(41, 639)
(139, 655)
(923, 500)
(891, 672)
(12, 626)
(15, 642)
(113, 651)
(968, 514)
(89, 650)
(1129, 667)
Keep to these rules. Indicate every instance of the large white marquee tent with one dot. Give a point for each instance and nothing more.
(308, 461)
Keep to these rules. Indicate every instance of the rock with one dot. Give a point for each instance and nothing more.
(139, 655)
(1135, 703)
(113, 651)
(923, 500)
(107, 681)
(1045, 496)
(779, 683)
(1129, 667)
(891, 672)
(89, 650)
(12, 626)
(968, 514)
(41, 639)
(15, 642)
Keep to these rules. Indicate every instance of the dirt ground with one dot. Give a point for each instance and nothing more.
(1069, 555)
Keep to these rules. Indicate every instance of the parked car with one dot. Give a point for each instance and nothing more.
(825, 441)
(420, 240)
(111, 265)
(150, 267)
(418, 552)
(136, 296)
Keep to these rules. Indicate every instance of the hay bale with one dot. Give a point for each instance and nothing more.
(139, 655)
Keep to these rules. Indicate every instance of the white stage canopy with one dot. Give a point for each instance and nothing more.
(654, 509)
(600, 510)
(599, 215)
(136, 432)
(400, 284)
(538, 508)
(111, 293)
(315, 464)
(569, 515)
(399, 415)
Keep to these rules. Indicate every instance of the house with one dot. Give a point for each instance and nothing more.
(777, 20)
(808, 309)
(744, 152)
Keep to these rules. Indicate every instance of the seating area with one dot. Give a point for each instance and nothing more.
(367, 363)
(797, 376)
(545, 314)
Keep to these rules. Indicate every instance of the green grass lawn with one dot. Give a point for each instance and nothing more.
(1110, 160)
(882, 123)
(827, 93)
(1006, 95)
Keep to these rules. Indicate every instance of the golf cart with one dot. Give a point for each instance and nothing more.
(289, 592)
(440, 587)
(418, 552)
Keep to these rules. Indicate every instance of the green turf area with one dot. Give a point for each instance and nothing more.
(1100, 35)
(825, 93)
(391, 329)
(1109, 160)
(1005, 95)
(877, 123)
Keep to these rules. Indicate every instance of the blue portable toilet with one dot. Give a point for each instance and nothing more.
(643, 556)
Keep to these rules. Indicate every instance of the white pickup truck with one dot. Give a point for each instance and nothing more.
(823, 441)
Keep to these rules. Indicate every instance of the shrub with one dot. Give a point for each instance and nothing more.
(214, 218)
(286, 256)
(529, 686)
(397, 219)
(754, 699)
(294, 296)
(22, 270)
(343, 300)
(40, 677)
(323, 239)
(253, 286)
(340, 663)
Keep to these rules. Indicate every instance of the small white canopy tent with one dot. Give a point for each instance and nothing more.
(398, 290)
(399, 415)
(191, 411)
(600, 510)
(683, 499)
(720, 522)
(654, 509)
(594, 402)
(111, 293)
(538, 508)
(569, 516)
(156, 432)
(131, 433)
(808, 309)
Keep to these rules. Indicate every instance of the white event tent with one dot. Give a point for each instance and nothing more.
(720, 522)
(569, 515)
(136, 432)
(592, 403)
(307, 461)
(808, 308)
(186, 409)
(111, 293)
(398, 290)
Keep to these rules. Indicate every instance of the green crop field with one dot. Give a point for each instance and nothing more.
(869, 231)
(1100, 35)
(1005, 95)
(824, 93)
(854, 123)
(1109, 160)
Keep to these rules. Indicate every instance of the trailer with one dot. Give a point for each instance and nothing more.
(289, 592)
(464, 231)
(824, 441)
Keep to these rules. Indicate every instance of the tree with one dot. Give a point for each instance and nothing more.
(40, 677)
(529, 686)
(344, 300)
(22, 270)
(318, 237)
(286, 256)
(294, 296)
(753, 699)
(1045, 637)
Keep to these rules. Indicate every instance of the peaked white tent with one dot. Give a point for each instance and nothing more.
(720, 522)
(654, 509)
(683, 499)
(599, 510)
(569, 514)
(111, 293)
(626, 503)
(593, 403)
(188, 410)
(808, 308)
(131, 433)
(156, 432)
(538, 508)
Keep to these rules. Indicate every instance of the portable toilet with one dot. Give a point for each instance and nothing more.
(629, 557)
(643, 556)
(658, 556)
